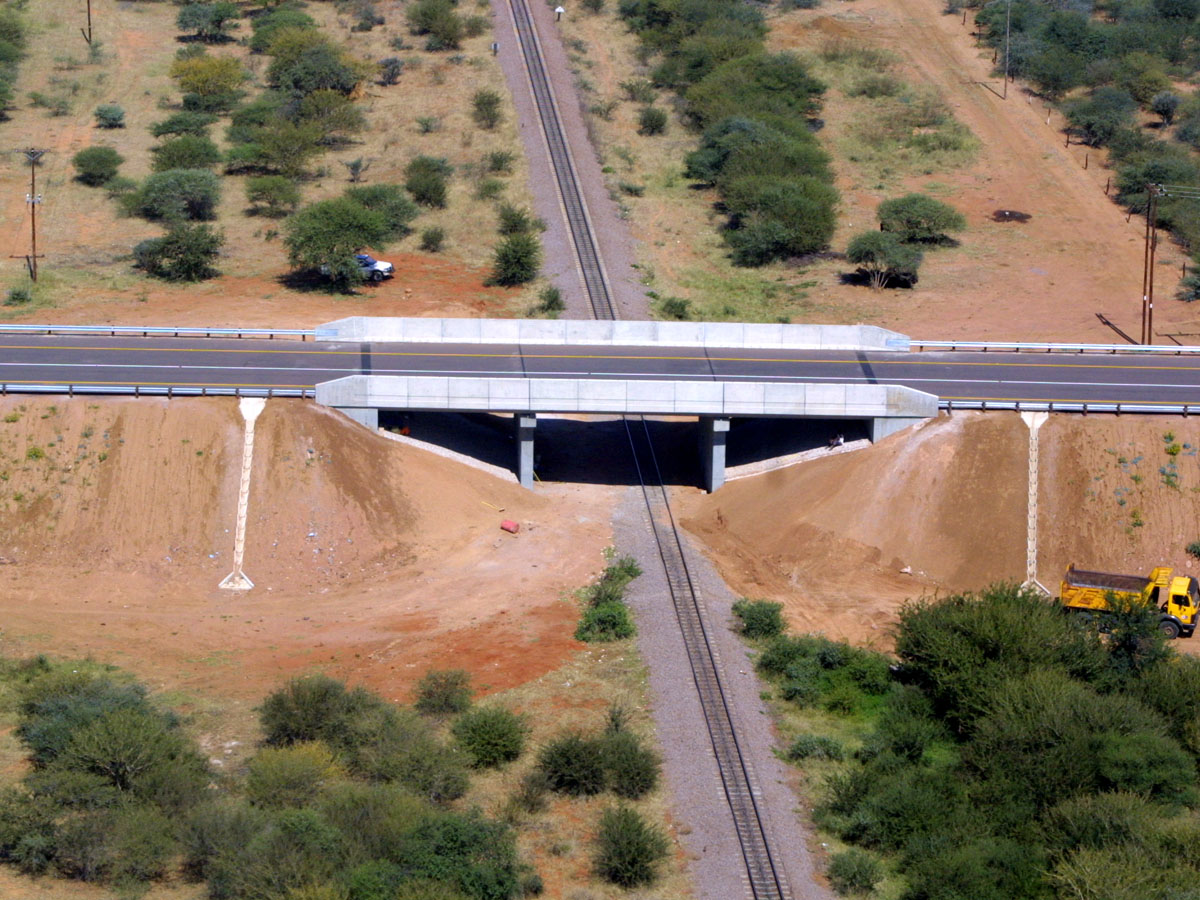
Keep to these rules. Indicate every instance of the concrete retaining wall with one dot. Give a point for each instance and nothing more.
(364, 329)
(613, 396)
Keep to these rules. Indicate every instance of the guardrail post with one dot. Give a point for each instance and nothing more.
(70, 390)
(137, 391)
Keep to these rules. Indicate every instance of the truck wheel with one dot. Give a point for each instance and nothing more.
(1170, 628)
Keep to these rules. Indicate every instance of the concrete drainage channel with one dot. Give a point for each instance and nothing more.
(236, 580)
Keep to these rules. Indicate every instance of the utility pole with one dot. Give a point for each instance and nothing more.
(1008, 30)
(33, 198)
(87, 35)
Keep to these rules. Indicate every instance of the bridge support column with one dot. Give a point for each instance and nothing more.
(712, 451)
(882, 426)
(363, 415)
(525, 423)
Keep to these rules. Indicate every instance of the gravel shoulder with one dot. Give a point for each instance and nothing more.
(612, 235)
(705, 823)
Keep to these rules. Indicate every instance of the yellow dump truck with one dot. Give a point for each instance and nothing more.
(1176, 597)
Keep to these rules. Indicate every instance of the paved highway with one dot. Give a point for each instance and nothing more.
(968, 376)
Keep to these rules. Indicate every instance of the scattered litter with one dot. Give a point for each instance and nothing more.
(907, 570)
(510, 526)
(492, 506)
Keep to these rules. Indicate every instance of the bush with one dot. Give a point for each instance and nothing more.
(437, 19)
(188, 151)
(272, 195)
(315, 66)
(442, 692)
(110, 116)
(432, 239)
(652, 120)
(916, 218)
(573, 765)
(141, 845)
(290, 776)
(854, 871)
(812, 746)
(607, 621)
(473, 854)
(218, 828)
(491, 735)
(631, 770)
(760, 618)
(499, 162)
(884, 259)
(390, 70)
(18, 296)
(207, 21)
(486, 109)
(269, 23)
(628, 849)
(389, 201)
(186, 253)
(177, 194)
(1193, 549)
(210, 78)
(755, 85)
(425, 179)
(56, 705)
(517, 260)
(550, 302)
(184, 123)
(1098, 117)
(517, 220)
(96, 165)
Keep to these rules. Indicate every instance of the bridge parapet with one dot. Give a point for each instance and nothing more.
(571, 332)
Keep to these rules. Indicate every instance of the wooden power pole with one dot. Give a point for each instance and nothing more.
(33, 198)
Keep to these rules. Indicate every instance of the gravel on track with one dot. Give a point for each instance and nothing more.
(699, 804)
(614, 243)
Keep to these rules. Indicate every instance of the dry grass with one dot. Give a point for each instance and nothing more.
(87, 243)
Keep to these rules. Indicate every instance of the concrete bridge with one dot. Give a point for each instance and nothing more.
(604, 388)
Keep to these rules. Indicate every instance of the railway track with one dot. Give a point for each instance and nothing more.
(765, 880)
(591, 266)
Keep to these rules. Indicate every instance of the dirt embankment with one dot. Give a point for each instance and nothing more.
(372, 560)
(832, 539)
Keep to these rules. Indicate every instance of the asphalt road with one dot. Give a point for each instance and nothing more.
(185, 362)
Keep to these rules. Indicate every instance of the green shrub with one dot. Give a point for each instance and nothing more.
(188, 151)
(207, 21)
(550, 302)
(425, 179)
(56, 705)
(390, 70)
(884, 259)
(473, 854)
(269, 23)
(759, 618)
(185, 253)
(628, 849)
(330, 232)
(812, 746)
(486, 109)
(110, 116)
(215, 829)
(18, 296)
(517, 260)
(272, 195)
(607, 621)
(499, 162)
(517, 220)
(177, 194)
(755, 85)
(652, 120)
(1095, 119)
(530, 793)
(432, 239)
(676, 309)
(389, 201)
(184, 122)
(443, 692)
(319, 66)
(854, 871)
(96, 165)
(437, 19)
(290, 776)
(631, 770)
(573, 764)
(639, 91)
(917, 218)
(491, 735)
(141, 845)
(27, 818)
(474, 26)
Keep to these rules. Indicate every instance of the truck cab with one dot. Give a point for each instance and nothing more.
(1180, 606)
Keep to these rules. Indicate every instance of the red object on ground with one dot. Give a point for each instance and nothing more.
(510, 526)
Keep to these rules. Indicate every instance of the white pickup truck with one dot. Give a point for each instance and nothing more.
(372, 269)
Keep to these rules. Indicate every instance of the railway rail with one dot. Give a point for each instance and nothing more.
(591, 266)
(765, 880)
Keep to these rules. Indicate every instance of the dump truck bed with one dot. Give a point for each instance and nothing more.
(1106, 581)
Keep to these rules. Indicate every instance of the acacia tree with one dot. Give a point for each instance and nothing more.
(326, 235)
(917, 218)
(884, 258)
(209, 22)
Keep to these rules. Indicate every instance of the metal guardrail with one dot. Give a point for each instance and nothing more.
(1022, 346)
(1172, 409)
(169, 391)
(161, 331)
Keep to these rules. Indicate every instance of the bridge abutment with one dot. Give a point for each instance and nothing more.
(883, 426)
